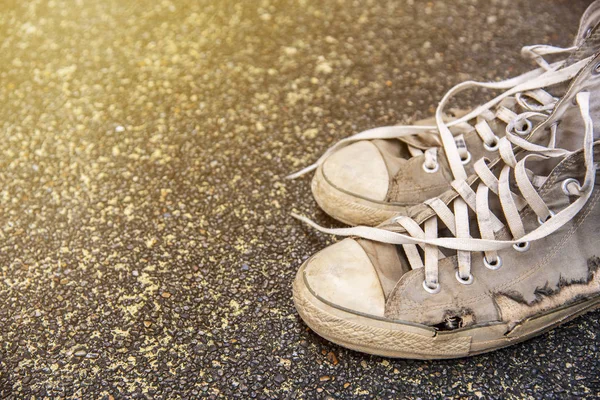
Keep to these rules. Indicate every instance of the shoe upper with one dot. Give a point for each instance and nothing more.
(496, 248)
(553, 271)
(411, 167)
(398, 171)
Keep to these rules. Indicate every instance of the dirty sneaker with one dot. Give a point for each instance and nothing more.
(501, 257)
(376, 174)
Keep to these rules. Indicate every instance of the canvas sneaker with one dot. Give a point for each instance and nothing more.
(379, 173)
(502, 256)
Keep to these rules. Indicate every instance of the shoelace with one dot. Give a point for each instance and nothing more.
(489, 224)
(518, 123)
(527, 85)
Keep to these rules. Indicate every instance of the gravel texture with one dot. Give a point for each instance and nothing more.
(146, 243)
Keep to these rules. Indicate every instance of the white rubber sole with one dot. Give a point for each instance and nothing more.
(350, 209)
(402, 340)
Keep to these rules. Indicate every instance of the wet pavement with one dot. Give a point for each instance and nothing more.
(146, 243)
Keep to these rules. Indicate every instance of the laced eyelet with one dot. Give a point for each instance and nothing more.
(432, 290)
(493, 265)
(596, 69)
(587, 33)
(467, 281)
(525, 129)
(494, 146)
(522, 246)
(552, 214)
(566, 183)
(431, 170)
(467, 160)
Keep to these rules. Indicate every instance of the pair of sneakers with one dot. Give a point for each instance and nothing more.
(472, 231)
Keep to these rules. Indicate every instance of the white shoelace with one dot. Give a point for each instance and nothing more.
(425, 235)
(528, 85)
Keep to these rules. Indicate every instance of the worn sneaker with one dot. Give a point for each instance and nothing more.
(501, 257)
(379, 173)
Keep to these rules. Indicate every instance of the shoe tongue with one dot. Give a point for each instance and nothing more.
(567, 118)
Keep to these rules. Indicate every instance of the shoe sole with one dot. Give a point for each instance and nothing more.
(405, 340)
(350, 209)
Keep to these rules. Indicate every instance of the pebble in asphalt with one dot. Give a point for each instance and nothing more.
(146, 244)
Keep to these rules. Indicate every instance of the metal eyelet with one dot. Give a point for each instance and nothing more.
(493, 147)
(493, 265)
(552, 214)
(522, 246)
(588, 33)
(431, 170)
(467, 281)
(528, 128)
(596, 69)
(566, 183)
(466, 160)
(433, 290)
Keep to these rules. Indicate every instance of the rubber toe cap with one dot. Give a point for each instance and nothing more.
(358, 169)
(343, 275)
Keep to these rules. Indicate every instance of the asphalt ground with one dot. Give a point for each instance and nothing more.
(146, 243)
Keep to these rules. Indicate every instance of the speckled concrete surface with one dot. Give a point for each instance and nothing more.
(146, 247)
